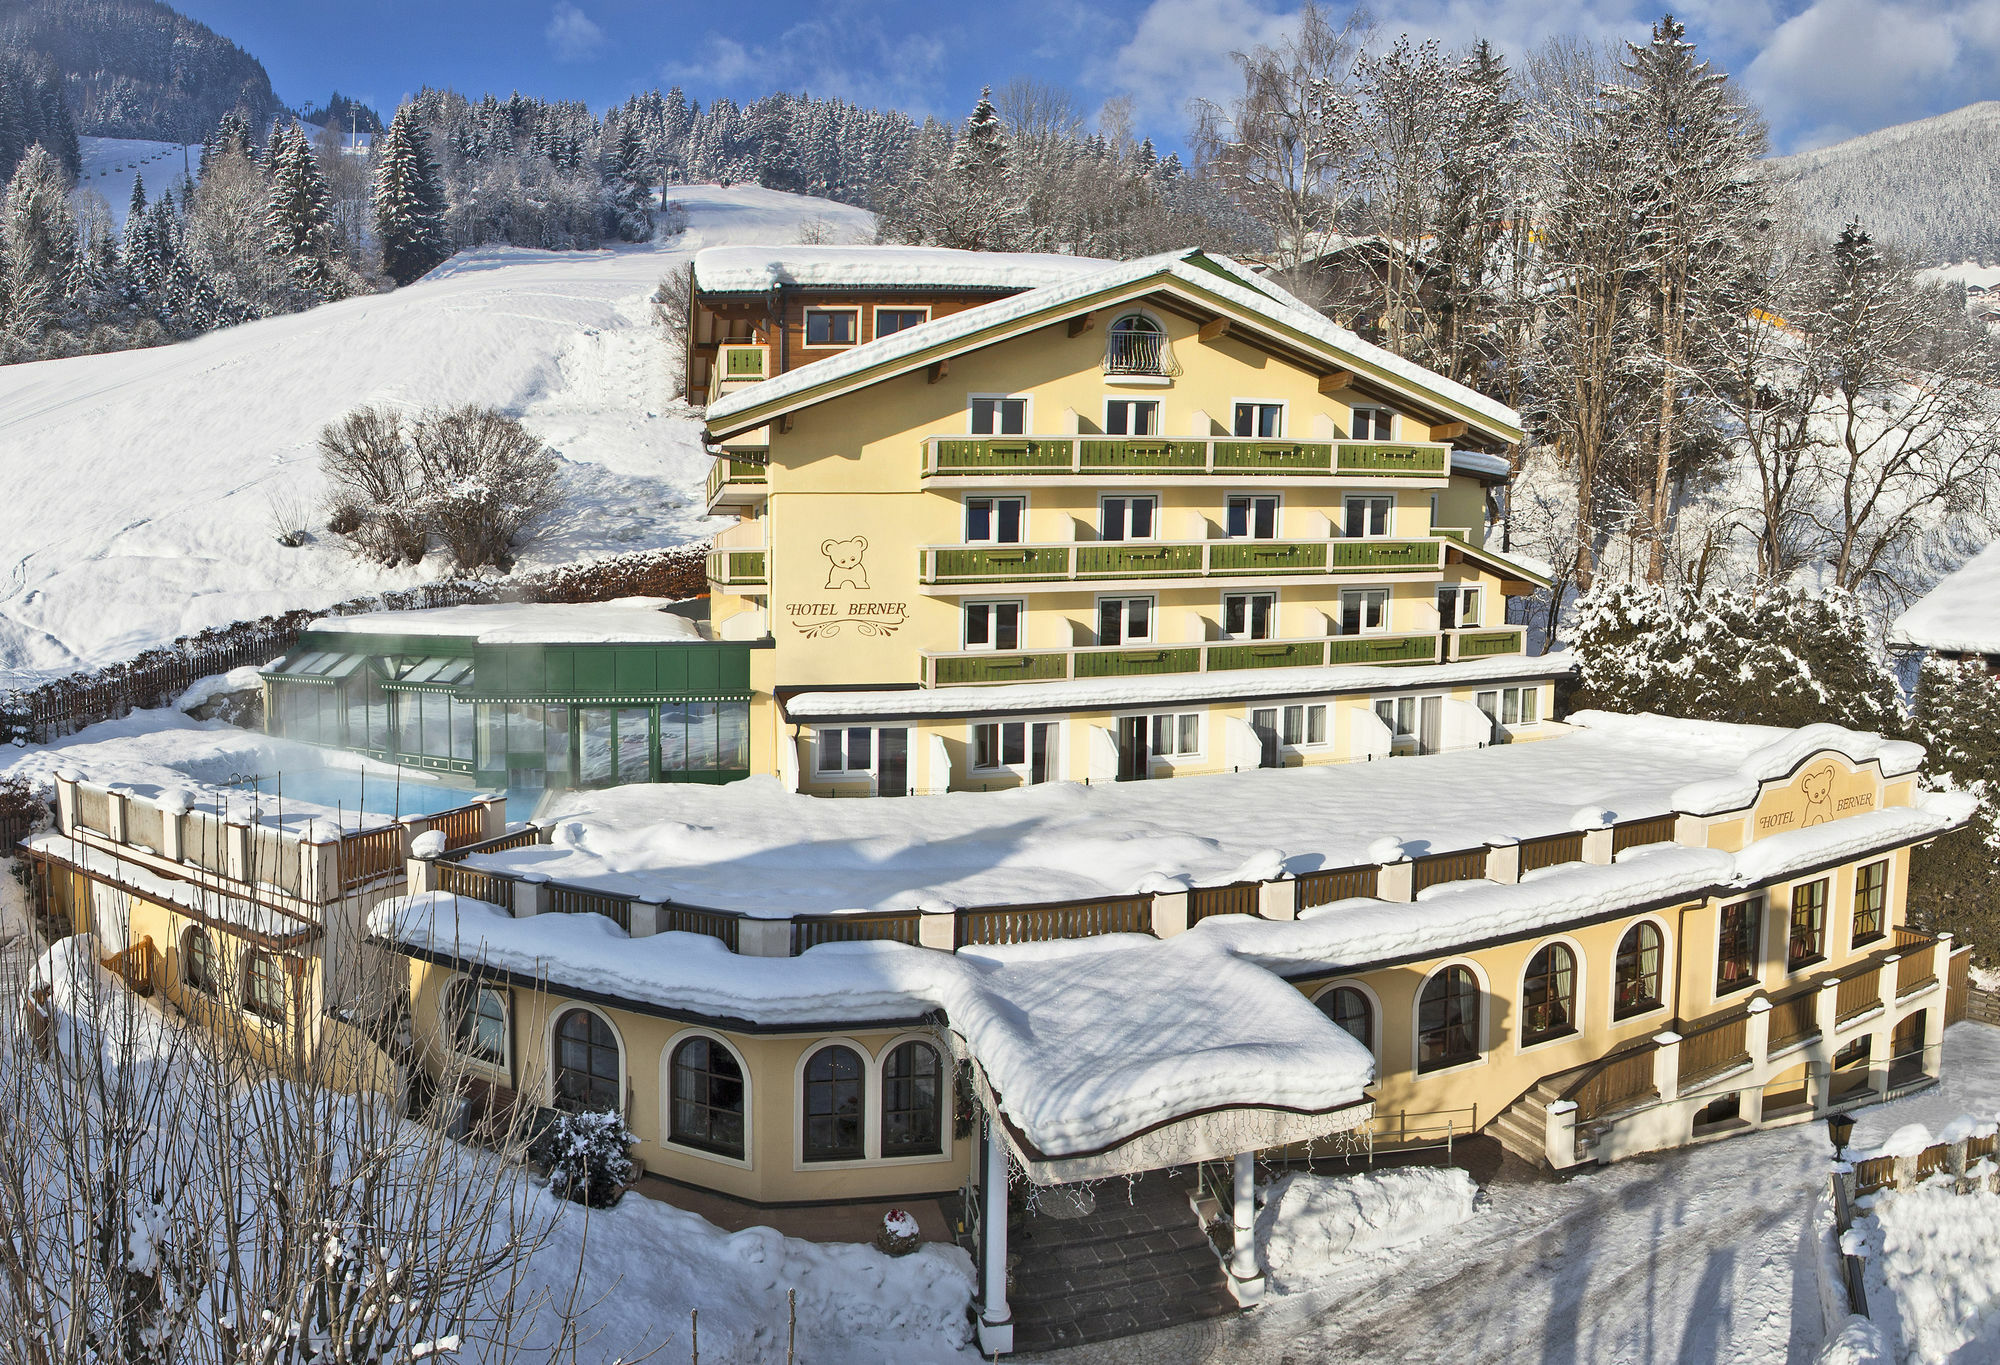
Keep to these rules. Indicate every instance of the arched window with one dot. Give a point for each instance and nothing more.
(707, 1085)
(198, 961)
(1637, 975)
(1135, 345)
(912, 1101)
(833, 1105)
(476, 1014)
(1548, 994)
(1448, 1020)
(263, 984)
(1350, 1009)
(588, 1072)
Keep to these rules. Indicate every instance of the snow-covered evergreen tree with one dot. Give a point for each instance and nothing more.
(409, 202)
(298, 221)
(40, 248)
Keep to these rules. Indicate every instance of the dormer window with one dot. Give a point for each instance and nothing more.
(1136, 345)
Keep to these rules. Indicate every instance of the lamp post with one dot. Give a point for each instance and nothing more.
(1839, 1127)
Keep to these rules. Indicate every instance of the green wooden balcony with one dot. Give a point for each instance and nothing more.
(1101, 561)
(735, 482)
(1481, 644)
(736, 568)
(972, 668)
(1159, 455)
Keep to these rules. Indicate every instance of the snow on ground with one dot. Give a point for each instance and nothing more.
(1312, 1226)
(1695, 1257)
(144, 487)
(1931, 1263)
(110, 164)
(1961, 613)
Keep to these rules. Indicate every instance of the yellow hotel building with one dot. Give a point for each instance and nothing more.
(1003, 562)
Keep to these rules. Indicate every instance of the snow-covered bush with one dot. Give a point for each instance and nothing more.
(470, 480)
(1311, 1224)
(898, 1235)
(1957, 720)
(588, 1156)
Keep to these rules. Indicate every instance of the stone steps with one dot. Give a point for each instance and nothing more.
(1126, 1267)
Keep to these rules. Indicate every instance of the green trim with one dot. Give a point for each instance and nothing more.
(1426, 461)
(1126, 559)
(1142, 452)
(987, 454)
(997, 563)
(1266, 556)
(1352, 555)
(1382, 649)
(1491, 642)
(1131, 663)
(1261, 455)
(1298, 654)
(998, 668)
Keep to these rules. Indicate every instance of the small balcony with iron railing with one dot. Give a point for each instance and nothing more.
(1138, 354)
(736, 484)
(947, 567)
(1094, 458)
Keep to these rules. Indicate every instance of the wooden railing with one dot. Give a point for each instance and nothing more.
(959, 668)
(575, 900)
(809, 931)
(1919, 965)
(1715, 1048)
(369, 854)
(135, 966)
(1614, 1083)
(526, 837)
(1439, 868)
(1084, 455)
(1062, 919)
(456, 879)
(464, 826)
(1238, 898)
(1639, 833)
(1794, 1020)
(1550, 851)
(693, 919)
(1858, 994)
(976, 565)
(1338, 884)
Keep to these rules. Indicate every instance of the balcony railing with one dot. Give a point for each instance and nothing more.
(736, 568)
(1143, 353)
(974, 667)
(743, 480)
(740, 362)
(1014, 456)
(946, 565)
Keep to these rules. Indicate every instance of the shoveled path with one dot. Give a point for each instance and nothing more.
(1695, 1256)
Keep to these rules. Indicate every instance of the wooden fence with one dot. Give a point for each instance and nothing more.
(368, 854)
(1612, 1084)
(1794, 1020)
(1715, 1049)
(809, 931)
(459, 880)
(462, 827)
(62, 706)
(1062, 919)
(575, 900)
(1238, 898)
(1551, 851)
(1858, 994)
(1439, 868)
(1339, 884)
(1639, 833)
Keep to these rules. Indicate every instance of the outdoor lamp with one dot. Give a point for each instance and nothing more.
(1839, 1127)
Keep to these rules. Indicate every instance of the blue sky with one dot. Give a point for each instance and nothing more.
(1822, 69)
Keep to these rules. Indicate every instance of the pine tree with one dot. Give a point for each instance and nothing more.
(409, 202)
(40, 233)
(298, 217)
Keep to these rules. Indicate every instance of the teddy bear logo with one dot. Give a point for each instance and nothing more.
(844, 558)
(1818, 787)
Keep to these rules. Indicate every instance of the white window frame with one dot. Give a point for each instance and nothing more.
(548, 1083)
(1159, 418)
(1284, 407)
(844, 773)
(1277, 501)
(1396, 703)
(871, 1117)
(1127, 496)
(1305, 709)
(1354, 411)
(1249, 615)
(965, 521)
(1355, 983)
(1388, 613)
(1465, 592)
(991, 647)
(1027, 401)
(1177, 755)
(807, 343)
(872, 1128)
(1124, 625)
(1578, 1004)
(747, 1160)
(1388, 519)
(1484, 1041)
(875, 316)
(503, 1067)
(1519, 696)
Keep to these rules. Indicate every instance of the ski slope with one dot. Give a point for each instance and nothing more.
(110, 164)
(140, 492)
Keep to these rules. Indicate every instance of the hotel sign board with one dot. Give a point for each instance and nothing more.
(1826, 787)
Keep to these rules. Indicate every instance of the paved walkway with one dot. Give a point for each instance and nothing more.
(1692, 1256)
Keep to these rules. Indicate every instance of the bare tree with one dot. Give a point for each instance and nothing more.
(1285, 147)
(371, 476)
(486, 483)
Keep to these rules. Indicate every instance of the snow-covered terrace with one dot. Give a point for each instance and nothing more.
(620, 621)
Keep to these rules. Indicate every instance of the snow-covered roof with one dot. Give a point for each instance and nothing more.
(755, 848)
(1163, 689)
(621, 621)
(1481, 465)
(216, 906)
(1088, 1043)
(1213, 275)
(755, 269)
(1961, 614)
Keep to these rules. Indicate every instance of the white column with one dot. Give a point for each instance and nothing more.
(996, 1320)
(1244, 1280)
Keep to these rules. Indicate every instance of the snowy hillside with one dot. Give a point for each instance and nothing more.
(1931, 187)
(143, 487)
(110, 164)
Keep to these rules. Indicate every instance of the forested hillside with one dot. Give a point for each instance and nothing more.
(1930, 188)
(136, 68)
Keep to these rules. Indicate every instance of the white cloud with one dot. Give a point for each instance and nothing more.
(572, 35)
(843, 51)
(1842, 67)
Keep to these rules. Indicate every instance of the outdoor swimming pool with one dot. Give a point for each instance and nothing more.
(379, 793)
